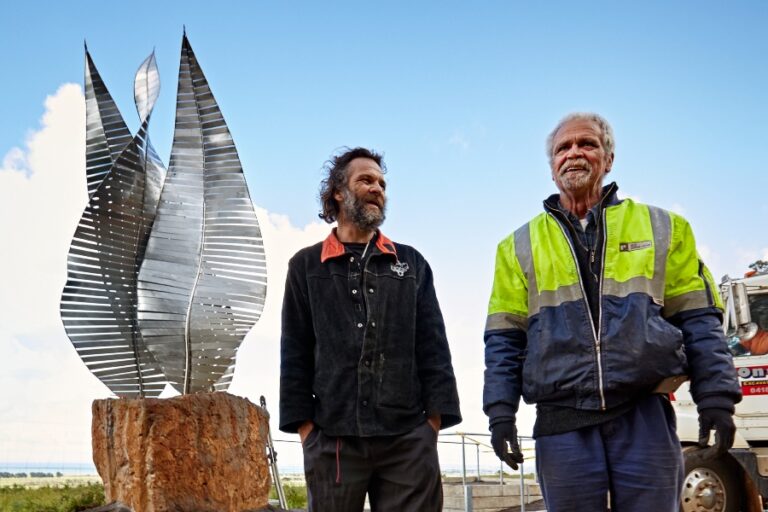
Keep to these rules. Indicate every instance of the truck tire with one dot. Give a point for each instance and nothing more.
(711, 485)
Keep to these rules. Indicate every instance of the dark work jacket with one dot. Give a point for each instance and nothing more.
(363, 357)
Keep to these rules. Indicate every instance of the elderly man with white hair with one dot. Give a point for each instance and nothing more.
(598, 303)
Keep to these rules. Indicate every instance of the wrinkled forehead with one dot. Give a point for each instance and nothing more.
(576, 129)
(364, 166)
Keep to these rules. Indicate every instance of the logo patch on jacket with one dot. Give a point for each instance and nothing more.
(400, 268)
(634, 246)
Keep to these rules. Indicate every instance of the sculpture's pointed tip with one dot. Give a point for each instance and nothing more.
(184, 31)
(85, 45)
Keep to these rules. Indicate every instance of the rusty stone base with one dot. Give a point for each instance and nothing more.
(203, 452)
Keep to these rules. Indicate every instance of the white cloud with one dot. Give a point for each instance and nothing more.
(46, 389)
(42, 194)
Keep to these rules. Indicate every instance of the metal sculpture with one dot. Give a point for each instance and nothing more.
(203, 281)
(162, 287)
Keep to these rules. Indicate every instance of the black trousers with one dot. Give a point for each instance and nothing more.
(399, 473)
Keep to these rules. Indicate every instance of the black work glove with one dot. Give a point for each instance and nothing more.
(504, 442)
(721, 420)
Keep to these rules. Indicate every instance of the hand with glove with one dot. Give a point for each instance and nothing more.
(504, 442)
(721, 421)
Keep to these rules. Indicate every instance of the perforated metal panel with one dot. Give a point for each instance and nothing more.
(98, 305)
(203, 281)
(163, 286)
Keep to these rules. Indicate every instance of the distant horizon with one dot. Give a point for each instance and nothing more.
(85, 469)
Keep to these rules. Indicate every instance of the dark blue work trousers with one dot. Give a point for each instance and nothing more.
(637, 457)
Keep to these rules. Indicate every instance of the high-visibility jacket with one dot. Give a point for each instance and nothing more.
(541, 341)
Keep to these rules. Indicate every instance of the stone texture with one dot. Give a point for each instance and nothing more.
(203, 452)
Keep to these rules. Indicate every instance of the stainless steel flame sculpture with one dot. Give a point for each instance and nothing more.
(166, 276)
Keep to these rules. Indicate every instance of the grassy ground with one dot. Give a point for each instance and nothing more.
(51, 499)
(75, 493)
(295, 495)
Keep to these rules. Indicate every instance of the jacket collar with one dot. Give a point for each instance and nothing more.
(608, 197)
(333, 248)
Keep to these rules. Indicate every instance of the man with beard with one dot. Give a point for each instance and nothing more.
(599, 305)
(365, 375)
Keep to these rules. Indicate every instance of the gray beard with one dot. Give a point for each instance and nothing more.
(365, 219)
(576, 182)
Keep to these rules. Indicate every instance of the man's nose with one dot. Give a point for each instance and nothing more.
(376, 188)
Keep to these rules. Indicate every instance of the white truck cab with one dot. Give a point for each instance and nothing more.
(739, 480)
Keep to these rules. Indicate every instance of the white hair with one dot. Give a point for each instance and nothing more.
(605, 130)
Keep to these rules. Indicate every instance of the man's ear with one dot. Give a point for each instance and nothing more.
(609, 164)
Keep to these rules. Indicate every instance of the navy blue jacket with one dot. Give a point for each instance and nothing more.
(658, 316)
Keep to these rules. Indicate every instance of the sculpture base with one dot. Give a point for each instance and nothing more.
(201, 452)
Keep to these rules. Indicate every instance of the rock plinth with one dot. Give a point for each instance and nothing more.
(203, 452)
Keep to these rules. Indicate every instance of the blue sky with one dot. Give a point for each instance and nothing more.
(459, 97)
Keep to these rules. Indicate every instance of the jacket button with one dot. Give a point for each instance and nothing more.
(370, 290)
(354, 292)
(367, 362)
(351, 258)
(359, 325)
(365, 403)
(373, 324)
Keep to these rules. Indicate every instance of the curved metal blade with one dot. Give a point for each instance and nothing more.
(146, 86)
(106, 134)
(98, 305)
(202, 284)
(146, 90)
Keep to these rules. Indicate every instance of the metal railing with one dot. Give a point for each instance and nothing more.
(470, 439)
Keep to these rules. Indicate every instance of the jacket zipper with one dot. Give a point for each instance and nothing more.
(600, 312)
(595, 332)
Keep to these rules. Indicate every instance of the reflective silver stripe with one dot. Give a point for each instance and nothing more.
(662, 236)
(536, 299)
(524, 255)
(554, 298)
(691, 300)
(639, 284)
(499, 321)
(661, 226)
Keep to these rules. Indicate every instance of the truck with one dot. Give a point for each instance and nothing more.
(738, 480)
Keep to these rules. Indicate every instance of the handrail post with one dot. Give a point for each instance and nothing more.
(477, 452)
(522, 481)
(468, 500)
(463, 462)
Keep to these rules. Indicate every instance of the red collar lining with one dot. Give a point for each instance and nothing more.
(333, 248)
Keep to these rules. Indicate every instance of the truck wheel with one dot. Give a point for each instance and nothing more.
(710, 485)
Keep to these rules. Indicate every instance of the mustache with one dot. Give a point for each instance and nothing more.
(371, 198)
(575, 162)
